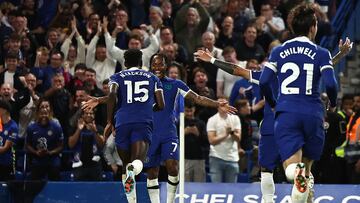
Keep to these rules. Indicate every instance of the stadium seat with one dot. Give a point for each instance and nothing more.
(107, 176)
(67, 176)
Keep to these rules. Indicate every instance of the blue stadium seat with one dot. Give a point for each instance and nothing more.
(67, 176)
(107, 176)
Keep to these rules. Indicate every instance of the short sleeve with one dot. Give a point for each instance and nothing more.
(113, 80)
(59, 132)
(158, 84)
(235, 122)
(273, 58)
(183, 88)
(210, 126)
(325, 60)
(255, 77)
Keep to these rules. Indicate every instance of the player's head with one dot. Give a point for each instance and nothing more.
(133, 58)
(158, 65)
(302, 21)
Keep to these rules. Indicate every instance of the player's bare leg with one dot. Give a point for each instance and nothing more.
(153, 184)
(172, 167)
(295, 171)
(267, 185)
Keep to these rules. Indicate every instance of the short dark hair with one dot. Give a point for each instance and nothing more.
(55, 52)
(301, 19)
(106, 81)
(12, 55)
(163, 56)
(15, 37)
(80, 66)
(5, 105)
(90, 70)
(133, 58)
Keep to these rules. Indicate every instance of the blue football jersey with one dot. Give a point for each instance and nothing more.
(136, 95)
(267, 124)
(164, 121)
(298, 64)
(10, 132)
(45, 137)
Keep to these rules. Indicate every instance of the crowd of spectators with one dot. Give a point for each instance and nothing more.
(55, 54)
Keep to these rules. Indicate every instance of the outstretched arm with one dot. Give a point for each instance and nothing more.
(204, 101)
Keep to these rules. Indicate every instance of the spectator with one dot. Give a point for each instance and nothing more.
(44, 142)
(99, 59)
(176, 71)
(121, 23)
(10, 74)
(352, 135)
(201, 88)
(227, 36)
(28, 112)
(92, 27)
(87, 142)
(73, 55)
(112, 157)
(347, 103)
(17, 99)
(60, 100)
(247, 48)
(224, 80)
(8, 137)
(167, 17)
(55, 67)
(167, 38)
(189, 30)
(196, 146)
(224, 133)
(272, 24)
(135, 42)
(53, 39)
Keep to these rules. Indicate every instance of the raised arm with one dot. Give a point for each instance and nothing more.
(230, 68)
(344, 49)
(90, 55)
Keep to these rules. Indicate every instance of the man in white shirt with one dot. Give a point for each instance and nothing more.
(99, 59)
(224, 133)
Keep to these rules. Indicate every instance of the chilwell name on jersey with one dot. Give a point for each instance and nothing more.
(130, 73)
(298, 50)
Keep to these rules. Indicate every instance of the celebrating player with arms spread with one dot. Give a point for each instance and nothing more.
(268, 157)
(165, 139)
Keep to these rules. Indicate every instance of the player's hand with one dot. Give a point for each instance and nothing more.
(90, 104)
(345, 47)
(229, 109)
(203, 55)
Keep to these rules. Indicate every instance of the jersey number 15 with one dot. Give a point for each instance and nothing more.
(308, 67)
(139, 87)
